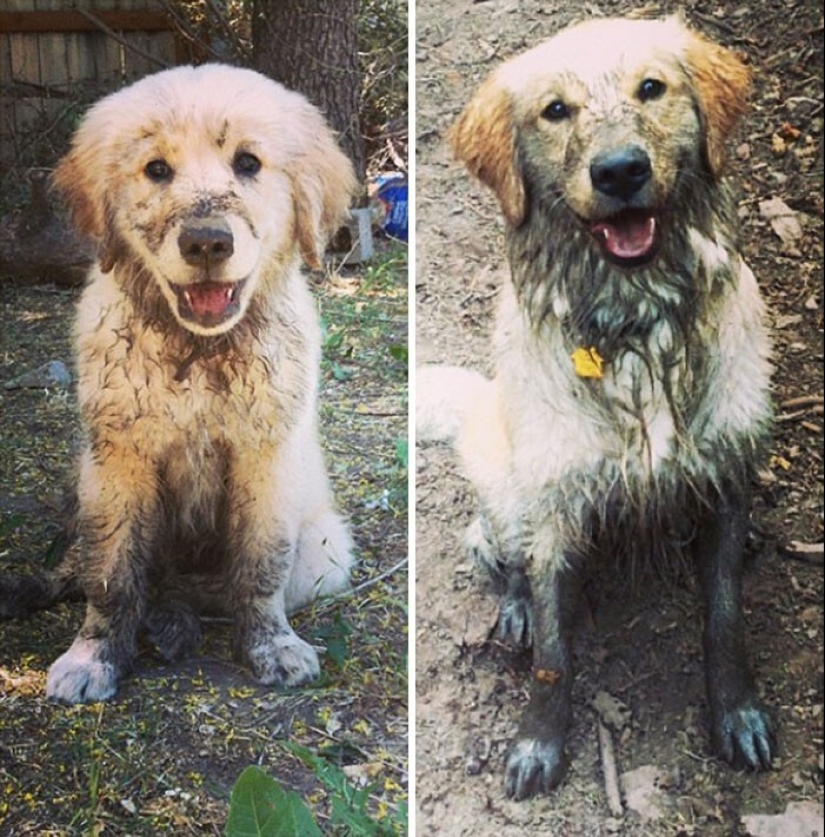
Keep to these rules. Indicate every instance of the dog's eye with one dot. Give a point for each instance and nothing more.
(246, 164)
(158, 171)
(556, 111)
(651, 88)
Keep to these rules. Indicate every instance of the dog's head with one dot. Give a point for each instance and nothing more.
(211, 177)
(606, 118)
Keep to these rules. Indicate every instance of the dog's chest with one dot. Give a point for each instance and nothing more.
(638, 400)
(146, 392)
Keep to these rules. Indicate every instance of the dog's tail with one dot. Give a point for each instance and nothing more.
(447, 398)
(23, 595)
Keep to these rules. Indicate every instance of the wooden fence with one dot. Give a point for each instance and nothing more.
(56, 58)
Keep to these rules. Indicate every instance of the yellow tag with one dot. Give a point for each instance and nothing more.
(587, 363)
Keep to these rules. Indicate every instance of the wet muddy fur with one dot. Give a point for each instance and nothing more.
(605, 148)
(201, 484)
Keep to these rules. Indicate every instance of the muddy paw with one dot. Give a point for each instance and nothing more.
(744, 736)
(175, 629)
(533, 767)
(79, 676)
(282, 658)
(515, 621)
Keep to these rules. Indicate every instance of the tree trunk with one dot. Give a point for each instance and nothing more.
(312, 46)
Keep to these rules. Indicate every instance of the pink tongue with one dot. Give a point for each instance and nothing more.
(209, 299)
(627, 236)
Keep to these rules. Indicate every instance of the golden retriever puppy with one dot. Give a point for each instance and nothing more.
(201, 483)
(630, 399)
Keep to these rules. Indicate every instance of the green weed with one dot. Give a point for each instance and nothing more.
(260, 807)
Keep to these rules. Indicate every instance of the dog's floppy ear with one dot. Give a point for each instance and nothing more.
(323, 182)
(82, 180)
(722, 82)
(71, 180)
(484, 139)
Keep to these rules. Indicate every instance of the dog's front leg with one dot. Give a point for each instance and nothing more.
(264, 525)
(537, 760)
(741, 727)
(116, 524)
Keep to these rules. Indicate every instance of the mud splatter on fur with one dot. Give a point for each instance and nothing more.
(202, 483)
(605, 149)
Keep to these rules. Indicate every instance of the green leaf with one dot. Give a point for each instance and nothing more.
(354, 817)
(349, 804)
(399, 352)
(402, 451)
(336, 639)
(260, 807)
(341, 374)
(329, 774)
(333, 340)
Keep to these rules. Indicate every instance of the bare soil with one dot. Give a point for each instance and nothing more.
(640, 647)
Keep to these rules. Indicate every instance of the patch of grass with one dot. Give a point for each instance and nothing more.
(364, 319)
(365, 359)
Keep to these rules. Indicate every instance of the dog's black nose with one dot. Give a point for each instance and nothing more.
(621, 173)
(206, 244)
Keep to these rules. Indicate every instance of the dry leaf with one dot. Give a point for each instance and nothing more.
(547, 675)
(788, 132)
(783, 220)
(778, 145)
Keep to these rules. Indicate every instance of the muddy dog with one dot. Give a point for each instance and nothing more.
(201, 483)
(630, 399)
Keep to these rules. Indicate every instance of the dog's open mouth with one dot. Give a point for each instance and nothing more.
(630, 237)
(209, 303)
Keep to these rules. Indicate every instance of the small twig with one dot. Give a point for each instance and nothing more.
(801, 99)
(810, 553)
(791, 416)
(370, 582)
(481, 212)
(321, 604)
(803, 401)
(609, 771)
(474, 295)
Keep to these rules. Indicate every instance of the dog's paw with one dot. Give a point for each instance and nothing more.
(80, 676)
(281, 659)
(744, 736)
(534, 766)
(175, 629)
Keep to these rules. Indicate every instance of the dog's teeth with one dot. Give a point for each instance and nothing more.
(230, 293)
(188, 297)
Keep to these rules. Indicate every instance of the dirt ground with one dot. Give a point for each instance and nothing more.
(642, 649)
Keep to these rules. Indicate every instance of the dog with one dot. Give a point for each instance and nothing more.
(201, 485)
(630, 402)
